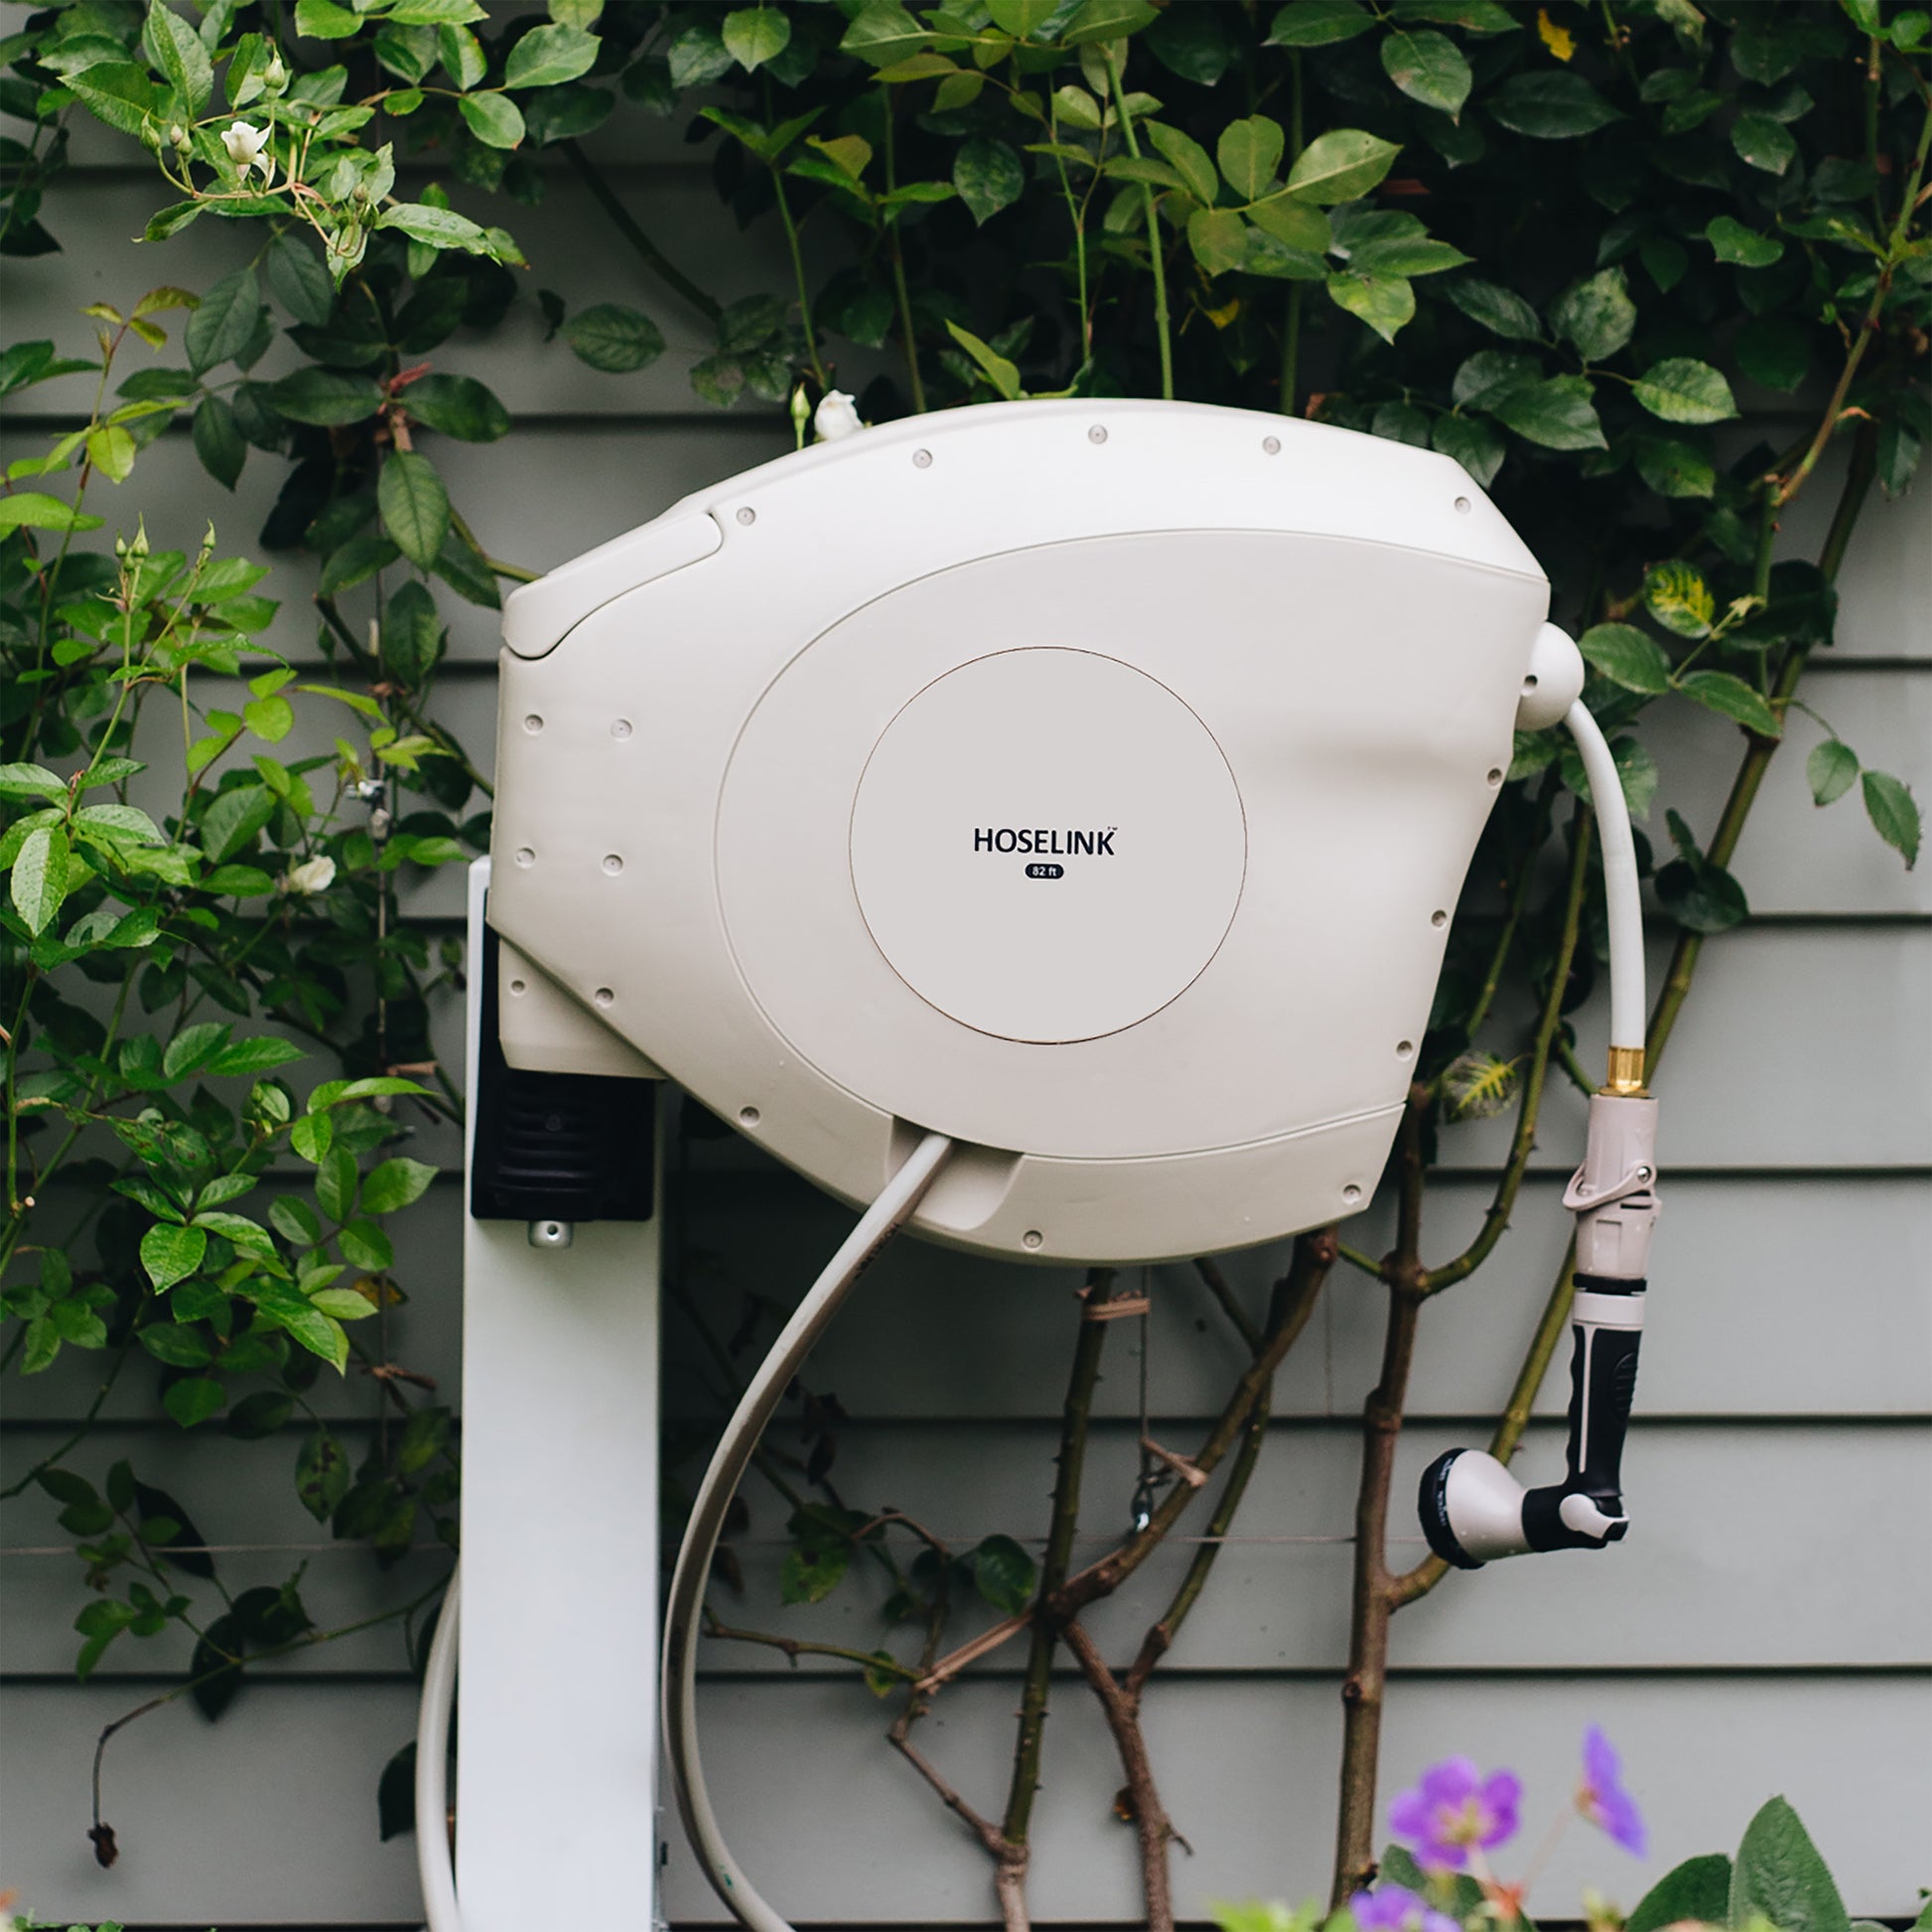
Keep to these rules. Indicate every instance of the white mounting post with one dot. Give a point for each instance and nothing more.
(557, 1674)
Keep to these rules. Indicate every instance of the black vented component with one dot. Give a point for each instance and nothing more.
(556, 1147)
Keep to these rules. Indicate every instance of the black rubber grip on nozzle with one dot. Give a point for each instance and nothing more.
(1602, 1385)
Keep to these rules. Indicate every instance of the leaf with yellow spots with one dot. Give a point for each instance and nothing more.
(1557, 39)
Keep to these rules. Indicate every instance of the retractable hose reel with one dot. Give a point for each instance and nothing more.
(1042, 822)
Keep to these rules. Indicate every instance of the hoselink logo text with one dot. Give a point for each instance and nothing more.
(1054, 843)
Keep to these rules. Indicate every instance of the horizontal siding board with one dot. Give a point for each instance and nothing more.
(930, 1332)
(268, 1817)
(934, 1334)
(1669, 1596)
(838, 1831)
(1249, 1779)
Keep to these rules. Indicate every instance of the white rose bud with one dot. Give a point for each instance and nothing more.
(248, 148)
(837, 416)
(311, 875)
(275, 76)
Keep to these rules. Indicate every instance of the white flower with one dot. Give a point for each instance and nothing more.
(311, 875)
(248, 148)
(837, 415)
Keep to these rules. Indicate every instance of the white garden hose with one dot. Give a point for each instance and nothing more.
(734, 1455)
(1622, 899)
(434, 1864)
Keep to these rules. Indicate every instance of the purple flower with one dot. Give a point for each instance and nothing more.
(1602, 1799)
(1453, 1808)
(1394, 1908)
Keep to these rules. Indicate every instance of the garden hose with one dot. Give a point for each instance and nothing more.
(434, 1862)
(1472, 1509)
(682, 1617)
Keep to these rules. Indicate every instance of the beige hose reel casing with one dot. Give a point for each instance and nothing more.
(1088, 781)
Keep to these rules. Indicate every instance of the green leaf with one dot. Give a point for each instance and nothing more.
(413, 636)
(1701, 897)
(1673, 468)
(1249, 151)
(1626, 657)
(494, 120)
(1107, 20)
(355, 561)
(1004, 375)
(1557, 413)
(1778, 1875)
(1477, 1085)
(755, 35)
(459, 406)
(328, 398)
(31, 781)
(177, 1344)
(323, 19)
(395, 1184)
(1188, 159)
(282, 1306)
(37, 885)
(193, 1399)
(439, 227)
(1478, 446)
(1550, 106)
(256, 1056)
(1894, 812)
(118, 92)
(259, 1415)
(415, 505)
(1830, 769)
(883, 33)
(615, 339)
(226, 323)
(1774, 350)
(989, 176)
(336, 1183)
(171, 1254)
(217, 441)
(1004, 1576)
(34, 509)
(299, 279)
(1636, 771)
(813, 1567)
(1220, 238)
(1320, 23)
(1746, 247)
(232, 819)
(1699, 1888)
(1596, 317)
(1194, 43)
(1340, 166)
(1684, 390)
(548, 54)
(1299, 226)
(321, 1475)
(1385, 302)
(366, 1247)
(1730, 697)
(178, 52)
(1675, 595)
(1500, 310)
(1429, 67)
(1021, 18)
(1762, 142)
